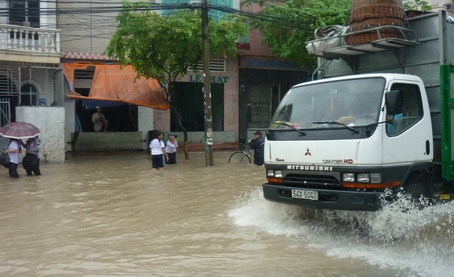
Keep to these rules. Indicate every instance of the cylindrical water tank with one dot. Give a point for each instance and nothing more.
(367, 14)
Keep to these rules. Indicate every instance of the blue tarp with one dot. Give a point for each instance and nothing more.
(91, 104)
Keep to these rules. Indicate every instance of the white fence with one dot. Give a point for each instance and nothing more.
(28, 39)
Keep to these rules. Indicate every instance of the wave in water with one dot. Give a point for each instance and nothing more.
(401, 236)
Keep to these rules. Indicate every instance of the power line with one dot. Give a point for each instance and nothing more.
(106, 27)
(97, 8)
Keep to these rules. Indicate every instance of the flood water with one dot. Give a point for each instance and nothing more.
(110, 214)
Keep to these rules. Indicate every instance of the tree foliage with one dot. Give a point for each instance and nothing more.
(289, 42)
(164, 47)
(417, 5)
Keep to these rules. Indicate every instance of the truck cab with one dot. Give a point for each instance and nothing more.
(339, 143)
(379, 119)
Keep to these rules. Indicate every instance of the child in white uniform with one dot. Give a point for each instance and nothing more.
(13, 153)
(158, 151)
(171, 149)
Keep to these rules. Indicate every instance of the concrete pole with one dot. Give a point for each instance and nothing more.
(207, 87)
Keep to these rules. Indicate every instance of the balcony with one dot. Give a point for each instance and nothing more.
(27, 44)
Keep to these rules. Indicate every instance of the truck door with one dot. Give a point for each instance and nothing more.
(406, 132)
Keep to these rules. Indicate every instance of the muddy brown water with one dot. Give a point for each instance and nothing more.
(111, 214)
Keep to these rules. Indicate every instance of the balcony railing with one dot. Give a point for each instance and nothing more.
(29, 40)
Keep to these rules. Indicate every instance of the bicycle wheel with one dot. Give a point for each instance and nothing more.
(239, 157)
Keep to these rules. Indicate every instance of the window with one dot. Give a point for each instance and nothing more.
(215, 66)
(411, 111)
(29, 95)
(214, 13)
(222, 4)
(189, 102)
(24, 13)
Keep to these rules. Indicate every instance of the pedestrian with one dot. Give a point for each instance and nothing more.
(32, 156)
(158, 151)
(100, 123)
(171, 149)
(258, 144)
(13, 153)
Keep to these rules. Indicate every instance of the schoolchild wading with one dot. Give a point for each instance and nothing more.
(158, 151)
(32, 156)
(13, 153)
(171, 149)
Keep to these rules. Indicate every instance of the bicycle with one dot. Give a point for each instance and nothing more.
(243, 154)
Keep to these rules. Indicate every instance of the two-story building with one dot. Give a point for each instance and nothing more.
(30, 73)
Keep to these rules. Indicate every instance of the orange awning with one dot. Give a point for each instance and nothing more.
(112, 83)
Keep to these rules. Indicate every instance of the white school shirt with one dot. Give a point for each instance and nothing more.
(13, 157)
(156, 146)
(171, 147)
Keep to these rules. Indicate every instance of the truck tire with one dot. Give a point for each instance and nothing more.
(419, 189)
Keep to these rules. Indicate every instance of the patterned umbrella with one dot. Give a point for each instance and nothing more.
(19, 130)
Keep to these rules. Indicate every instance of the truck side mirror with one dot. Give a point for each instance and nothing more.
(394, 102)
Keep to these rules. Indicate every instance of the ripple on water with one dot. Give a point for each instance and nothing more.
(416, 242)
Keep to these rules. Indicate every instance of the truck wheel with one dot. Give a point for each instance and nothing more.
(419, 189)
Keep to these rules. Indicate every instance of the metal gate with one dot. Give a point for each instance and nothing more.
(260, 105)
(29, 85)
(5, 111)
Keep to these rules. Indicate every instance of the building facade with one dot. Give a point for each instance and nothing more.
(245, 89)
(37, 36)
(31, 87)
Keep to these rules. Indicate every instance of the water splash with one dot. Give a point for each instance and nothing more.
(401, 235)
(252, 211)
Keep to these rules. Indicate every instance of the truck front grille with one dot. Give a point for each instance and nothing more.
(311, 181)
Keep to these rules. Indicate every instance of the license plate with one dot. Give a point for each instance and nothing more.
(305, 194)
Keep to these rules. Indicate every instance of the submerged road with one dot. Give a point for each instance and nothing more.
(111, 214)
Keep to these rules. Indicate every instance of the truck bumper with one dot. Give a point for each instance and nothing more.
(327, 199)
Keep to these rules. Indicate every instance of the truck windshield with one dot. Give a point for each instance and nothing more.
(353, 102)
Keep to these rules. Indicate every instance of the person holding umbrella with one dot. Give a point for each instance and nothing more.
(32, 156)
(13, 153)
(16, 131)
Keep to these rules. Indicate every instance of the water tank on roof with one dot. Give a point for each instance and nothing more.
(368, 14)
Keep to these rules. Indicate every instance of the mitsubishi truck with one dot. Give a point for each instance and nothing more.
(378, 121)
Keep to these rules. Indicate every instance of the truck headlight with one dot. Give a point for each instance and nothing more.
(270, 173)
(278, 174)
(274, 173)
(363, 178)
(375, 178)
(348, 177)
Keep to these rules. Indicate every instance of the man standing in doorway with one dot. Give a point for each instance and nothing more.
(99, 121)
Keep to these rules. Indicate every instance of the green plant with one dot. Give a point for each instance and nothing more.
(417, 5)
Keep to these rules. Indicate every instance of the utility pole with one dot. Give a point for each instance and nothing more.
(207, 87)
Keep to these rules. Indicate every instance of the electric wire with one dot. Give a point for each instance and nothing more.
(103, 23)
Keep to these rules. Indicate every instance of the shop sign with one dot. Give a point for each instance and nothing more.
(213, 79)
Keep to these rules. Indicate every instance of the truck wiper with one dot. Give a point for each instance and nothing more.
(377, 123)
(337, 123)
(288, 124)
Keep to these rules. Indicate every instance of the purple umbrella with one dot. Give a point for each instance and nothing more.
(19, 130)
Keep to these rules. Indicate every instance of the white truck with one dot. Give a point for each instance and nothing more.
(379, 119)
